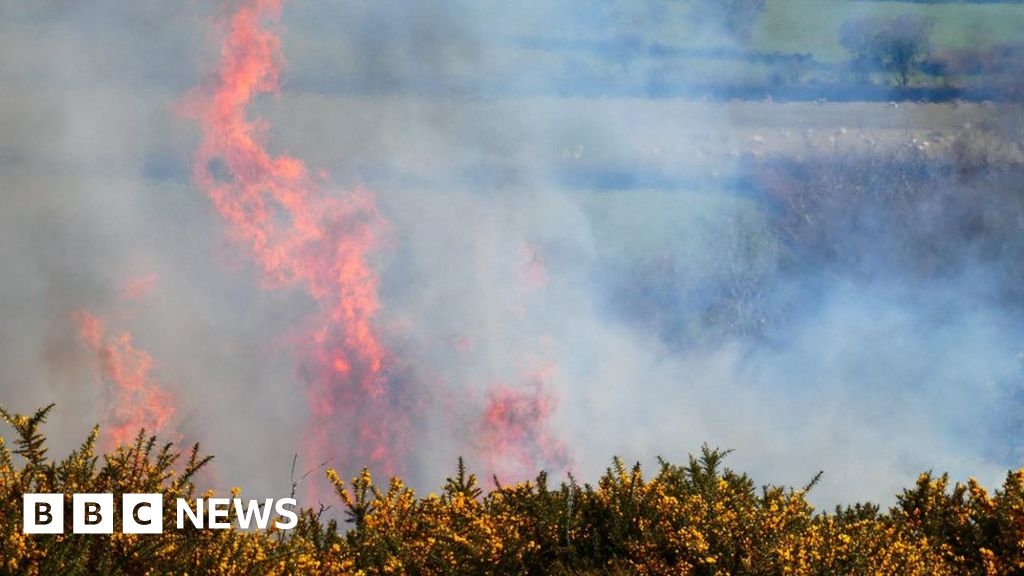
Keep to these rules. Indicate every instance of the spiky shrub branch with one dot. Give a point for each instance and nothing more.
(699, 518)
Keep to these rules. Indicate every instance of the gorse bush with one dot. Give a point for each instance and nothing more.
(699, 518)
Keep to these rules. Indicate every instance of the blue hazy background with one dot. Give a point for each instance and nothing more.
(746, 241)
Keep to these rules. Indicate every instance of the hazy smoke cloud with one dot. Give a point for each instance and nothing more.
(548, 216)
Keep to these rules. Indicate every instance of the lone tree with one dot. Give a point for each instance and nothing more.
(897, 45)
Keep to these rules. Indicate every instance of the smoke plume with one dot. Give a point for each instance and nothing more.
(530, 234)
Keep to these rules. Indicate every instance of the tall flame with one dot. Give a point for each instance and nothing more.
(134, 398)
(516, 439)
(302, 236)
(515, 436)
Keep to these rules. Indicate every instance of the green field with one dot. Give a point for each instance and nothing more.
(813, 25)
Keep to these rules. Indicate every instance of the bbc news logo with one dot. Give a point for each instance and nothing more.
(144, 513)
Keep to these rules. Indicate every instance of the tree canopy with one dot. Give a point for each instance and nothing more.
(897, 45)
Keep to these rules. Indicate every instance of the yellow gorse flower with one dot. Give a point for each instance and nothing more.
(697, 518)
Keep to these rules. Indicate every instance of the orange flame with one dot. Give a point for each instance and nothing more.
(532, 270)
(299, 235)
(135, 399)
(138, 288)
(514, 426)
(516, 439)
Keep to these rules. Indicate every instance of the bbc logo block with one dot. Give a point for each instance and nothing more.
(43, 513)
(93, 513)
(144, 513)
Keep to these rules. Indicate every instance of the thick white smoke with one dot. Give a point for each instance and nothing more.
(502, 140)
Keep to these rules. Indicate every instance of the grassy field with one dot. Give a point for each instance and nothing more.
(813, 25)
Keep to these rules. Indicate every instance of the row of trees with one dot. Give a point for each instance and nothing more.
(898, 47)
(902, 46)
(698, 518)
